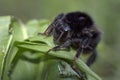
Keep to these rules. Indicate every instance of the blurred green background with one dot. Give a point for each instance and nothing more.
(105, 13)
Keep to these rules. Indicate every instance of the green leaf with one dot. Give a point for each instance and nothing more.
(63, 55)
(16, 31)
(4, 36)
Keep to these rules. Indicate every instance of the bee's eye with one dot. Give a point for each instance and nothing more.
(67, 28)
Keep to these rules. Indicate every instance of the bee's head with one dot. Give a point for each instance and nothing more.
(78, 19)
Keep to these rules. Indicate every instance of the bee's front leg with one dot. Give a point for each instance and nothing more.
(64, 45)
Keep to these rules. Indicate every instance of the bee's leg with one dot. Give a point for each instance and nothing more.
(80, 74)
(79, 51)
(50, 28)
(48, 31)
(85, 43)
(65, 44)
(92, 58)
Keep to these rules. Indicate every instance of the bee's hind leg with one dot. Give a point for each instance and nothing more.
(92, 58)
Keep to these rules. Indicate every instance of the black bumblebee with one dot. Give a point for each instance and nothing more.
(76, 30)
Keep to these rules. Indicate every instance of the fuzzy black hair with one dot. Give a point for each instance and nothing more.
(78, 19)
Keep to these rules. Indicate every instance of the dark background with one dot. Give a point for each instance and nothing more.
(106, 14)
